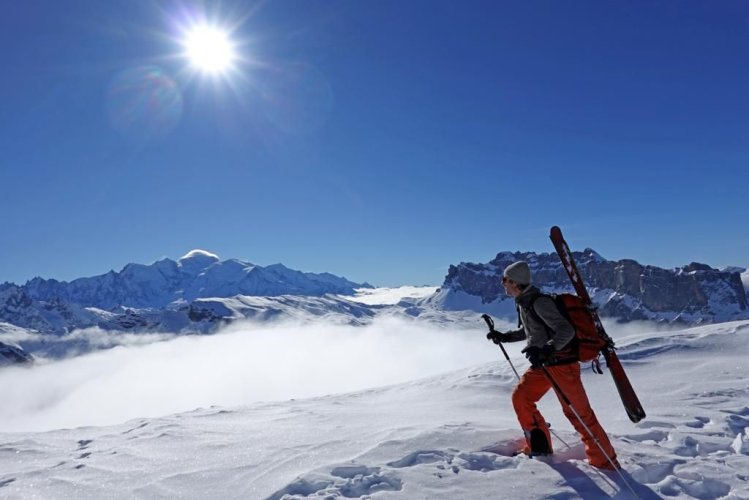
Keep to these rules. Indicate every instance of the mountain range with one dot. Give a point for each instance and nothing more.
(623, 289)
(167, 295)
(199, 293)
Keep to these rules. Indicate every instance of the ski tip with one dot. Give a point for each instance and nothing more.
(555, 231)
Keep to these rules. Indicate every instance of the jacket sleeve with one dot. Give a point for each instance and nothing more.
(547, 310)
(514, 335)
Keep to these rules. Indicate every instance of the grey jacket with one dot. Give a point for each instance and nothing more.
(534, 330)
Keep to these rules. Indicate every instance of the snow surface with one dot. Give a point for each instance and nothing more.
(389, 296)
(397, 408)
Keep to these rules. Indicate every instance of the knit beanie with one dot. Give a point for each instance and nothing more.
(519, 272)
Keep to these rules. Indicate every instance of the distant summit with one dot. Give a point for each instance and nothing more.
(199, 254)
(195, 261)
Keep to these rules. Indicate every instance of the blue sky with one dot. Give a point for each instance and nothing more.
(378, 140)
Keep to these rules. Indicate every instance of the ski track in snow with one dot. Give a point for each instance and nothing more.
(450, 436)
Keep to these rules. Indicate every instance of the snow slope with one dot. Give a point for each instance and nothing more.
(443, 436)
(382, 296)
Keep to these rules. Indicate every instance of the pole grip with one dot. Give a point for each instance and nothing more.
(489, 321)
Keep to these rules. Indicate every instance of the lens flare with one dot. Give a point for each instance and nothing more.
(144, 103)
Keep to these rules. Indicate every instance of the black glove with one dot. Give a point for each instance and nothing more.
(495, 336)
(539, 356)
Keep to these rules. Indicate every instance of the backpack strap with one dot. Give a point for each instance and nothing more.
(532, 310)
(569, 353)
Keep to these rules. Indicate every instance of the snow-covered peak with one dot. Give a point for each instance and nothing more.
(196, 260)
(199, 254)
(197, 274)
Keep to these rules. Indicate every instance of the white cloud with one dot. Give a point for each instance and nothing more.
(245, 363)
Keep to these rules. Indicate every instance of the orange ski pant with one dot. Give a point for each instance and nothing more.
(532, 387)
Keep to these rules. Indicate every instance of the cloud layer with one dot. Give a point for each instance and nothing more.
(244, 364)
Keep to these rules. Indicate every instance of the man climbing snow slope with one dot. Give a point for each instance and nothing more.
(551, 344)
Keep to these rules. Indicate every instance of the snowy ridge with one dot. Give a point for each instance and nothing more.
(156, 296)
(336, 309)
(624, 290)
(197, 274)
(207, 315)
(200, 317)
(447, 436)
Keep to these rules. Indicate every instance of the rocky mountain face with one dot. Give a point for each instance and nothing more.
(624, 289)
(161, 296)
(13, 355)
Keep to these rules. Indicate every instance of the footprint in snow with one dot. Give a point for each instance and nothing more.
(489, 459)
(422, 457)
(737, 423)
(649, 424)
(507, 448)
(697, 487)
(689, 448)
(655, 472)
(669, 482)
(353, 470)
(497, 456)
(698, 423)
(349, 481)
(653, 435)
(483, 462)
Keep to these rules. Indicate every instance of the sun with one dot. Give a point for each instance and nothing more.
(209, 49)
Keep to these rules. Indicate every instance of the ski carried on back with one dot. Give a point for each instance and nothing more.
(626, 392)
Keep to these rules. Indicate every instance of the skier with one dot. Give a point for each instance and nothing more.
(550, 344)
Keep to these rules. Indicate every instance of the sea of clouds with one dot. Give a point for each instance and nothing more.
(154, 375)
(102, 377)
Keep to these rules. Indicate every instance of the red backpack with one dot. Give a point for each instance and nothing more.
(587, 342)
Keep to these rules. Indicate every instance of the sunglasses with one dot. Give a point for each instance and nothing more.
(505, 279)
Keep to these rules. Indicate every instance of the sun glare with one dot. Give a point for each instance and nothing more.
(209, 49)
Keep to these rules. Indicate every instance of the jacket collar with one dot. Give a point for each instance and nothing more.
(525, 298)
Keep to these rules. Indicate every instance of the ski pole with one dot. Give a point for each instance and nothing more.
(587, 429)
(490, 324)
